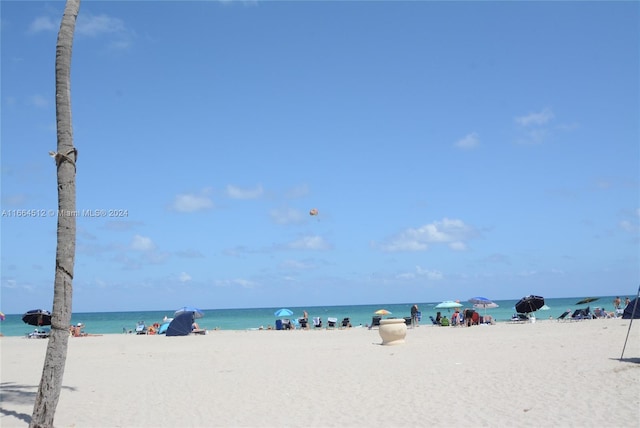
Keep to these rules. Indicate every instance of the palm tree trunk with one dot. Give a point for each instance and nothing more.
(51, 382)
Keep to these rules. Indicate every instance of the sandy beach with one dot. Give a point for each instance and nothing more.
(527, 375)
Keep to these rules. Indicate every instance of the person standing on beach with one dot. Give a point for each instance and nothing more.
(414, 316)
(616, 302)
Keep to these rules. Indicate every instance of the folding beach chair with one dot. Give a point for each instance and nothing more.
(331, 322)
(317, 322)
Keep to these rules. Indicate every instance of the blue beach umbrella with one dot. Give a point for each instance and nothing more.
(197, 313)
(480, 301)
(283, 312)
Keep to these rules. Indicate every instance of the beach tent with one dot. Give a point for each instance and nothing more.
(163, 327)
(181, 325)
(632, 310)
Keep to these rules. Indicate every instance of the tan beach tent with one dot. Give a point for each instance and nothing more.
(631, 312)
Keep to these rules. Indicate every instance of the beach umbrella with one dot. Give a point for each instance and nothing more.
(197, 313)
(544, 308)
(283, 312)
(382, 312)
(481, 302)
(448, 304)
(529, 304)
(587, 300)
(37, 317)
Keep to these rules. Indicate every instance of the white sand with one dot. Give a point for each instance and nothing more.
(524, 375)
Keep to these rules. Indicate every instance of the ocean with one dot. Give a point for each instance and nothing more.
(253, 318)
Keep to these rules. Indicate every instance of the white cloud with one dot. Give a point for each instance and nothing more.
(184, 277)
(189, 202)
(458, 246)
(448, 231)
(38, 101)
(239, 193)
(309, 243)
(142, 243)
(534, 127)
(540, 118)
(238, 282)
(628, 226)
(287, 216)
(92, 25)
(297, 192)
(468, 142)
(295, 265)
(430, 274)
(42, 23)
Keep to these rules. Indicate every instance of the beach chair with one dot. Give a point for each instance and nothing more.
(141, 328)
(286, 324)
(433, 320)
(375, 321)
(346, 322)
(519, 318)
(278, 324)
(564, 315)
(586, 313)
(317, 322)
(581, 314)
(304, 323)
(38, 334)
(331, 322)
(407, 321)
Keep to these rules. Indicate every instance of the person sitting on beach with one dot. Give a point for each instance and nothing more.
(487, 319)
(76, 330)
(439, 317)
(455, 317)
(616, 302)
(468, 315)
(444, 321)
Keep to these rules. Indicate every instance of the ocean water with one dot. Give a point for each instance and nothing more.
(252, 318)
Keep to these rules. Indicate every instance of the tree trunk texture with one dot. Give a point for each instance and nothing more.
(52, 373)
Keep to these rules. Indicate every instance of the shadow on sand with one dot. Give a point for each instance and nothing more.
(22, 395)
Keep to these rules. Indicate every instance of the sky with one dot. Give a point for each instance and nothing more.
(451, 149)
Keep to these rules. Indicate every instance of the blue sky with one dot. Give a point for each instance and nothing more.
(451, 150)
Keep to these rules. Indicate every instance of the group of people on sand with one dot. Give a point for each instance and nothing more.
(467, 317)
